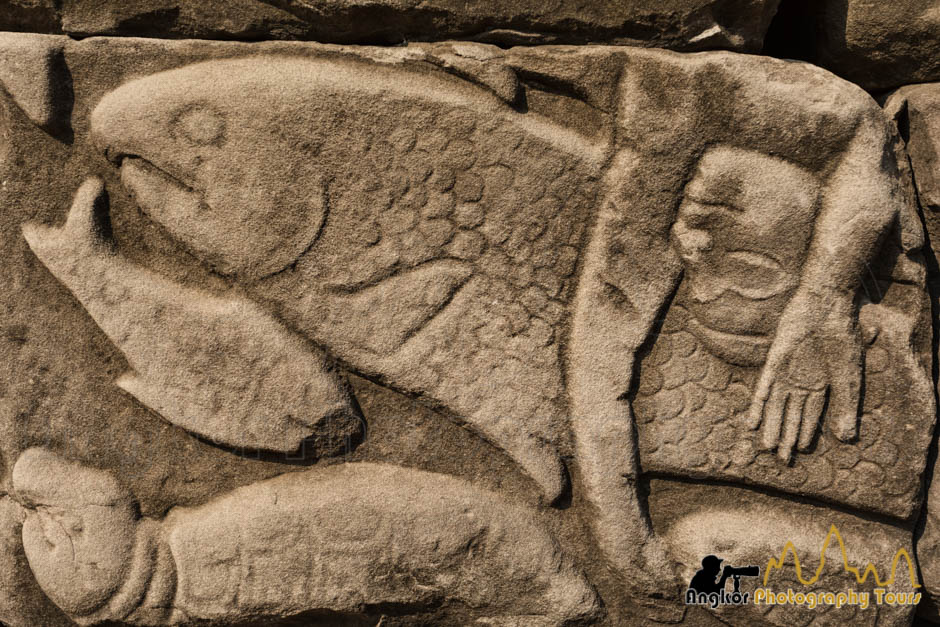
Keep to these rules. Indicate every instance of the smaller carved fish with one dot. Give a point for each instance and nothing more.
(255, 385)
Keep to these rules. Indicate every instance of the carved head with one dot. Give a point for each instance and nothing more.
(743, 207)
(743, 231)
(214, 153)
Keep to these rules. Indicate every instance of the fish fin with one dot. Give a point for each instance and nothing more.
(398, 307)
(88, 225)
(33, 72)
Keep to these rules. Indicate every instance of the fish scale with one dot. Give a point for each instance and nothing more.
(522, 244)
(443, 270)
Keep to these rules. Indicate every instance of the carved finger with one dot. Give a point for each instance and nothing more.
(812, 414)
(843, 409)
(845, 427)
(773, 417)
(756, 413)
(761, 394)
(792, 423)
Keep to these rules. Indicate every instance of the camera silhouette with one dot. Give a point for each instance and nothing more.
(736, 572)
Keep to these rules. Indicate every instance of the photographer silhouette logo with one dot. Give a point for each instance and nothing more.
(708, 584)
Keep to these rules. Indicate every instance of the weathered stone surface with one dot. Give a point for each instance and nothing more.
(879, 45)
(683, 24)
(722, 161)
(22, 603)
(234, 19)
(916, 108)
(676, 24)
(356, 536)
(34, 75)
(35, 16)
(603, 312)
(751, 526)
(256, 386)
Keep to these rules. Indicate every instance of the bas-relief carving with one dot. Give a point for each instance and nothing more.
(344, 539)
(680, 204)
(32, 71)
(683, 276)
(444, 267)
(748, 526)
(255, 385)
(695, 384)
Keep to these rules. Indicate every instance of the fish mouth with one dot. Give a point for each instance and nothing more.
(153, 187)
(230, 224)
(173, 204)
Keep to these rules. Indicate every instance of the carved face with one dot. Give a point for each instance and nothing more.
(742, 231)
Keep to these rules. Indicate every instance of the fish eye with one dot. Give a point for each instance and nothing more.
(200, 124)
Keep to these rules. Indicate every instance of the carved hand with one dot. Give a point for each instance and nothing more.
(817, 353)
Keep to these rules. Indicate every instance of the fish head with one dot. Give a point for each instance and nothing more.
(80, 529)
(217, 153)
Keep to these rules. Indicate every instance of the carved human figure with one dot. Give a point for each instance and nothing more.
(738, 269)
(743, 233)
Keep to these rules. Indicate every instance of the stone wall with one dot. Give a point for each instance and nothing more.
(511, 313)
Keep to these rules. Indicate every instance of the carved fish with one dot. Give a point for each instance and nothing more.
(344, 538)
(429, 243)
(255, 385)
